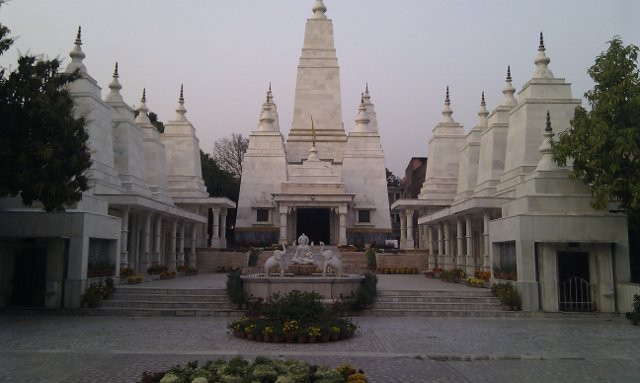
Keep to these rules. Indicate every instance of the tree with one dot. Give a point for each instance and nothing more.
(604, 142)
(392, 179)
(219, 182)
(228, 153)
(43, 147)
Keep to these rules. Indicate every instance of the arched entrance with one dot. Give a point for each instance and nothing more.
(314, 222)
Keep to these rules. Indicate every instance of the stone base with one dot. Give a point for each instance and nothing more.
(260, 286)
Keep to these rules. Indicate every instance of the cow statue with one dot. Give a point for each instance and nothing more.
(275, 260)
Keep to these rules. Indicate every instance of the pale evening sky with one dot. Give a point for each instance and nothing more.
(225, 52)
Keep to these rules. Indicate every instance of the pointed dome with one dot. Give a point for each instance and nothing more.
(362, 121)
(266, 116)
(77, 55)
(114, 95)
(446, 111)
(508, 99)
(319, 10)
(542, 62)
(547, 162)
(142, 109)
(483, 122)
(180, 110)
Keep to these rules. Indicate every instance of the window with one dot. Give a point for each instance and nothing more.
(262, 215)
(364, 216)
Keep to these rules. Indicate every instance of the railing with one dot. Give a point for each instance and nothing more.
(575, 295)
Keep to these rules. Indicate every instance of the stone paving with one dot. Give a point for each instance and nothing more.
(589, 348)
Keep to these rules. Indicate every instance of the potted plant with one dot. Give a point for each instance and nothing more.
(335, 333)
(314, 333)
(135, 279)
(267, 333)
(290, 328)
(250, 330)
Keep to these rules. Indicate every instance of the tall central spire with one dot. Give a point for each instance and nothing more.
(317, 89)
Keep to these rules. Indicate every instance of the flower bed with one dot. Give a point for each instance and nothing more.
(397, 270)
(298, 317)
(262, 369)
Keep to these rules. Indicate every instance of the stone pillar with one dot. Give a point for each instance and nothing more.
(215, 239)
(342, 238)
(440, 259)
(181, 244)
(486, 262)
(459, 260)
(409, 245)
(403, 230)
(144, 264)
(124, 238)
(156, 241)
(172, 245)
(430, 247)
(76, 280)
(448, 256)
(283, 224)
(223, 228)
(192, 251)
(471, 264)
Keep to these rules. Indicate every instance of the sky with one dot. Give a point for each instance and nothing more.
(226, 52)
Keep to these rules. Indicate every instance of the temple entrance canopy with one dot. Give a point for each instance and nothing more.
(314, 222)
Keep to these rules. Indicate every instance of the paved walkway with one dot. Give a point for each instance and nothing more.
(564, 348)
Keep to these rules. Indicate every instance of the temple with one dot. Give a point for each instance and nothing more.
(321, 181)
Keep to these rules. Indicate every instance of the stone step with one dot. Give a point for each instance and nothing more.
(151, 312)
(446, 293)
(110, 303)
(168, 297)
(168, 291)
(444, 313)
(438, 306)
(437, 299)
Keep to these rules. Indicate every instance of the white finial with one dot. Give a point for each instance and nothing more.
(180, 110)
(77, 55)
(114, 94)
(366, 96)
(547, 162)
(446, 111)
(483, 114)
(142, 109)
(508, 99)
(542, 62)
(319, 10)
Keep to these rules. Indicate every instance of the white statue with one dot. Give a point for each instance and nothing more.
(331, 260)
(275, 260)
(304, 252)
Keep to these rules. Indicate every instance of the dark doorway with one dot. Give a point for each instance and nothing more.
(574, 289)
(30, 277)
(314, 223)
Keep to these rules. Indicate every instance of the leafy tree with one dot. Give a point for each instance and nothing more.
(392, 179)
(153, 118)
(219, 182)
(43, 149)
(229, 153)
(603, 144)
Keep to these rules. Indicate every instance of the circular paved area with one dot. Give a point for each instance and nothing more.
(45, 348)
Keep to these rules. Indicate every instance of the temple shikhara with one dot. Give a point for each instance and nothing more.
(321, 181)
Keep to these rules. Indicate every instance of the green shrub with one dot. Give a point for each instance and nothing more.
(507, 294)
(634, 315)
(371, 258)
(305, 307)
(235, 287)
(367, 291)
(253, 257)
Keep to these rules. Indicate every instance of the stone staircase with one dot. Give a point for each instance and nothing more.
(147, 302)
(480, 303)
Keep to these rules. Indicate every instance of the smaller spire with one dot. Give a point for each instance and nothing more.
(483, 122)
(266, 117)
(181, 99)
(319, 10)
(77, 55)
(269, 94)
(366, 88)
(482, 102)
(547, 162)
(313, 133)
(142, 109)
(508, 99)
(114, 86)
(180, 110)
(542, 61)
(446, 111)
(362, 121)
